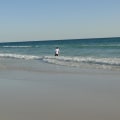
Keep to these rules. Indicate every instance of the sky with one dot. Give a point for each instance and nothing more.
(27, 20)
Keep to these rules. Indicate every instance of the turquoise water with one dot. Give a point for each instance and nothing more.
(97, 53)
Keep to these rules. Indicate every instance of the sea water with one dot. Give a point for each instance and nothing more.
(97, 53)
(35, 84)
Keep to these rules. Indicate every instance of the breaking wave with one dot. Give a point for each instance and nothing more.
(70, 61)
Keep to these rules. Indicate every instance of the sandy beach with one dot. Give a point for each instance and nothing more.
(48, 92)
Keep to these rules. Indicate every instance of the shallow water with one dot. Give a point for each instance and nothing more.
(101, 53)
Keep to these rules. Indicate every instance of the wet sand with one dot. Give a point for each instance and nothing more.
(47, 92)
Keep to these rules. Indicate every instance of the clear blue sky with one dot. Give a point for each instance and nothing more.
(24, 20)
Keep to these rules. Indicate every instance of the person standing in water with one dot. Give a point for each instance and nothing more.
(57, 51)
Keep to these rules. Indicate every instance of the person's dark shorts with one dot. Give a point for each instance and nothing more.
(56, 54)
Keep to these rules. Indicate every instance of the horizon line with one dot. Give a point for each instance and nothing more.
(60, 39)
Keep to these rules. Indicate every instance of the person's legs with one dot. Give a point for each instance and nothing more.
(56, 54)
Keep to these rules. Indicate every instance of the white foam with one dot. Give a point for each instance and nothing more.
(104, 63)
(69, 61)
(18, 56)
(90, 60)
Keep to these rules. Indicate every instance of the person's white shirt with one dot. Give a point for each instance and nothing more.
(57, 51)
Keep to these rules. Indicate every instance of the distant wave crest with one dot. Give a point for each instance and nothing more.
(16, 46)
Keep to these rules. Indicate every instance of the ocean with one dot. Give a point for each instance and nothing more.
(82, 83)
(96, 53)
